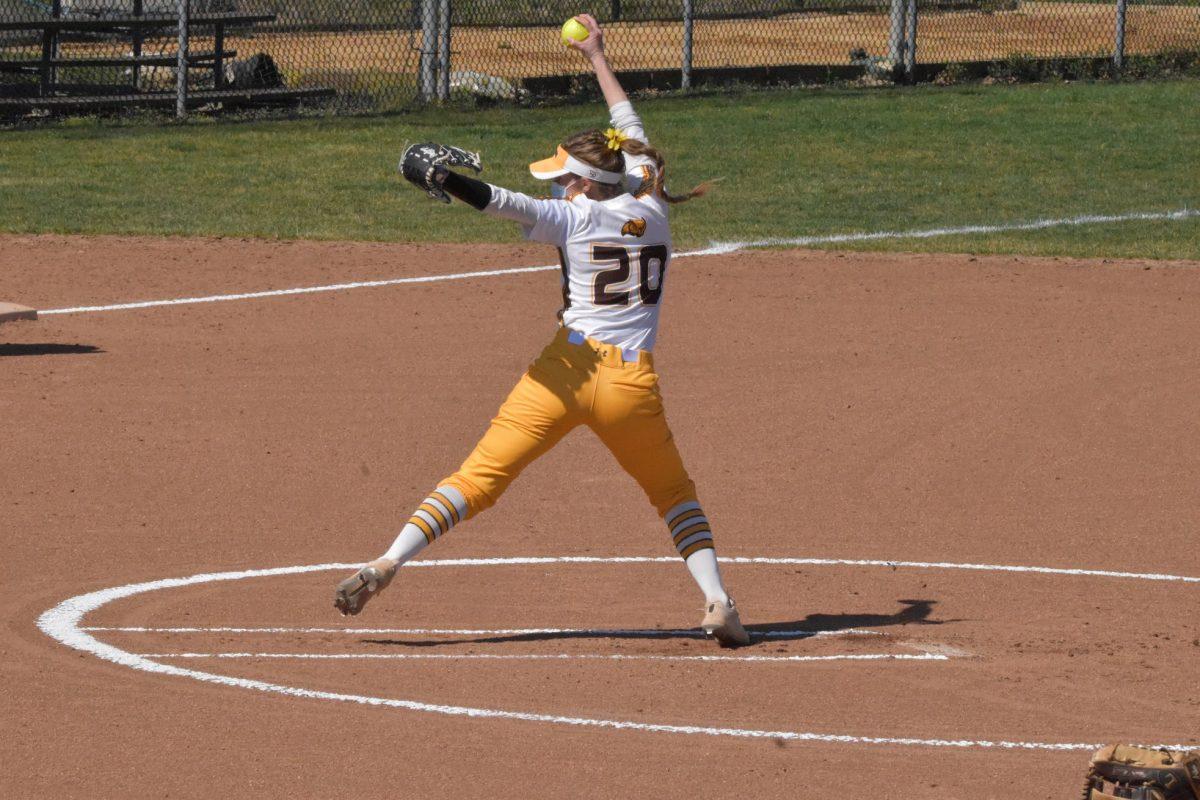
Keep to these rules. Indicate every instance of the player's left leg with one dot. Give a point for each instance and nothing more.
(629, 417)
(538, 412)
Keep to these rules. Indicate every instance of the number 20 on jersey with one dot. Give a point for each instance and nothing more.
(652, 267)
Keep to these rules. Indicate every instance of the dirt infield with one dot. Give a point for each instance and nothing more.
(932, 409)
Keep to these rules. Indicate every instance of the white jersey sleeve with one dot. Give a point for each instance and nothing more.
(640, 171)
(625, 118)
(551, 221)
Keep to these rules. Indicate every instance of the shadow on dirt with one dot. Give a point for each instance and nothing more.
(914, 612)
(46, 349)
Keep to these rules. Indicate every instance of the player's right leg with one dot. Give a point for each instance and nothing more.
(629, 418)
(539, 411)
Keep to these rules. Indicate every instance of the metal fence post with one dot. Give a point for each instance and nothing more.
(1119, 47)
(910, 44)
(138, 35)
(685, 81)
(49, 75)
(181, 71)
(444, 50)
(895, 54)
(428, 49)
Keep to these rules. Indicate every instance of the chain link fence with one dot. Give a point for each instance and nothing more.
(379, 55)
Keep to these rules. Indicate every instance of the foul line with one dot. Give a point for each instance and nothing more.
(717, 248)
(62, 623)
(554, 657)
(335, 287)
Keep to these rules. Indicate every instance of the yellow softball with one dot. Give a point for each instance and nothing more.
(573, 30)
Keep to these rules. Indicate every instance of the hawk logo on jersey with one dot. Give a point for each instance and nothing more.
(634, 227)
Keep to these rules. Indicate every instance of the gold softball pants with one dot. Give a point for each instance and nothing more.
(588, 383)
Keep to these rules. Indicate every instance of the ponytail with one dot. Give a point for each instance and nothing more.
(638, 148)
(604, 149)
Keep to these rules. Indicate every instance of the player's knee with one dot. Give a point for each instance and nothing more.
(478, 498)
(671, 496)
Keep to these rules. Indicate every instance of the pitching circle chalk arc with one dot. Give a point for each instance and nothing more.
(63, 623)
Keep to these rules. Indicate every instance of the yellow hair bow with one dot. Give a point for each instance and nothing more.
(615, 138)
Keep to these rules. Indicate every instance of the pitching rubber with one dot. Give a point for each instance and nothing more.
(11, 312)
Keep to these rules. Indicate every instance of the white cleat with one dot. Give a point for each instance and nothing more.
(721, 622)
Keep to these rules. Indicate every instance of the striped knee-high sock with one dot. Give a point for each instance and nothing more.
(444, 508)
(689, 528)
(694, 540)
(439, 512)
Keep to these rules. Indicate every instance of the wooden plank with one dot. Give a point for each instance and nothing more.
(125, 23)
(665, 79)
(161, 99)
(72, 89)
(124, 61)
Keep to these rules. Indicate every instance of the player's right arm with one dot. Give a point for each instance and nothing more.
(427, 166)
(619, 108)
(550, 221)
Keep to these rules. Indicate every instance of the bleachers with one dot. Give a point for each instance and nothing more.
(51, 94)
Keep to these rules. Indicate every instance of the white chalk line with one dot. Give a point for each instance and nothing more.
(821, 562)
(717, 248)
(62, 623)
(648, 633)
(555, 657)
(522, 561)
(334, 287)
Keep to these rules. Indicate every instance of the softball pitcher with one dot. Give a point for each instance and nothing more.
(607, 216)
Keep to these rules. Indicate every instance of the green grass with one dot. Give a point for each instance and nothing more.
(795, 163)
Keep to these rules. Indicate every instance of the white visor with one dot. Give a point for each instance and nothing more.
(563, 162)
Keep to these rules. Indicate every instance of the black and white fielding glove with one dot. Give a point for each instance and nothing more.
(426, 166)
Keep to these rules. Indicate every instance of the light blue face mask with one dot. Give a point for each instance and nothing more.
(558, 191)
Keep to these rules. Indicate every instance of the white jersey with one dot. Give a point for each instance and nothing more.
(614, 253)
